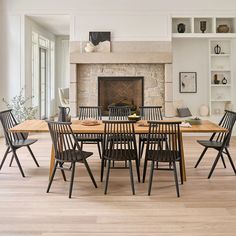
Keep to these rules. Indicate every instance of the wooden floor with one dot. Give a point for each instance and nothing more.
(205, 208)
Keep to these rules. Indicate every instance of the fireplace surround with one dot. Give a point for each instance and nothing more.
(150, 60)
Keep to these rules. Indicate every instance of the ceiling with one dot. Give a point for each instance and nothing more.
(56, 24)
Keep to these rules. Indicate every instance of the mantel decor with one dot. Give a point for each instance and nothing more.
(187, 82)
(101, 41)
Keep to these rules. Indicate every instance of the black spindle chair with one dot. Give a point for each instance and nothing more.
(163, 145)
(119, 112)
(220, 141)
(14, 141)
(67, 150)
(90, 112)
(149, 113)
(119, 144)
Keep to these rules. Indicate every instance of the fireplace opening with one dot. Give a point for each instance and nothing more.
(120, 91)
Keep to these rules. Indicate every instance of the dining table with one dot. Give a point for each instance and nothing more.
(78, 127)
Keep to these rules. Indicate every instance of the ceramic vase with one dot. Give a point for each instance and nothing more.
(204, 110)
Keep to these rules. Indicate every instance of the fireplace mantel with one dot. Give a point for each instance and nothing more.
(121, 57)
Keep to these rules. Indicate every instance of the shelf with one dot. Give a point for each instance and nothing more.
(204, 35)
(221, 85)
(220, 100)
(226, 70)
(220, 55)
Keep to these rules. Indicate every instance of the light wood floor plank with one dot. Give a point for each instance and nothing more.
(205, 208)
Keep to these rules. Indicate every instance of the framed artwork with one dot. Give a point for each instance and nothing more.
(101, 41)
(187, 82)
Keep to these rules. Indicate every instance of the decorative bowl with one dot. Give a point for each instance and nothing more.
(194, 121)
(134, 118)
(223, 29)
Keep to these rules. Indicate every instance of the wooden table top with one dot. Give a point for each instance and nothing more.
(41, 126)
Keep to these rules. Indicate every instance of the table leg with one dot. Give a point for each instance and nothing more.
(182, 157)
(52, 161)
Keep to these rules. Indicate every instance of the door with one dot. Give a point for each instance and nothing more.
(43, 83)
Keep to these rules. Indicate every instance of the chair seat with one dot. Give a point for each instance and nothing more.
(120, 137)
(89, 137)
(73, 155)
(210, 144)
(144, 137)
(120, 154)
(163, 155)
(22, 143)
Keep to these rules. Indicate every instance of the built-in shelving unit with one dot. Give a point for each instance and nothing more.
(220, 74)
(192, 27)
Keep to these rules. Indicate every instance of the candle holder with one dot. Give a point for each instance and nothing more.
(203, 26)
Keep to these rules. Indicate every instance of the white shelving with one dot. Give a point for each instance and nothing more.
(220, 94)
(193, 30)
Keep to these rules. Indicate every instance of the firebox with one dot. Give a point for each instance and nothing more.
(120, 91)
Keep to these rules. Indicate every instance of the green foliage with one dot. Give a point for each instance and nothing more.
(19, 107)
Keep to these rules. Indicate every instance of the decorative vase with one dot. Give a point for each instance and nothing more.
(203, 110)
(181, 28)
(203, 26)
(89, 47)
(224, 81)
(216, 81)
(217, 49)
(223, 29)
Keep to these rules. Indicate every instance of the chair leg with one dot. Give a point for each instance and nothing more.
(107, 178)
(150, 178)
(12, 158)
(144, 169)
(72, 179)
(52, 177)
(102, 168)
(176, 179)
(90, 173)
(230, 159)
(215, 163)
(201, 156)
(142, 148)
(18, 163)
(99, 150)
(222, 158)
(32, 154)
(131, 177)
(4, 157)
(181, 172)
(139, 150)
(63, 172)
(81, 145)
(137, 169)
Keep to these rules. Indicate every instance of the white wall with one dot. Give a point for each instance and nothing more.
(62, 65)
(127, 20)
(191, 55)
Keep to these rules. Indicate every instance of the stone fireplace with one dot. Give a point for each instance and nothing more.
(120, 91)
(138, 75)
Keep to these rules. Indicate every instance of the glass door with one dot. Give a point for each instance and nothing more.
(43, 83)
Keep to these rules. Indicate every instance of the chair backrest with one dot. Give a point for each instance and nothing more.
(64, 96)
(119, 112)
(151, 113)
(64, 141)
(86, 112)
(164, 135)
(119, 139)
(227, 122)
(8, 121)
